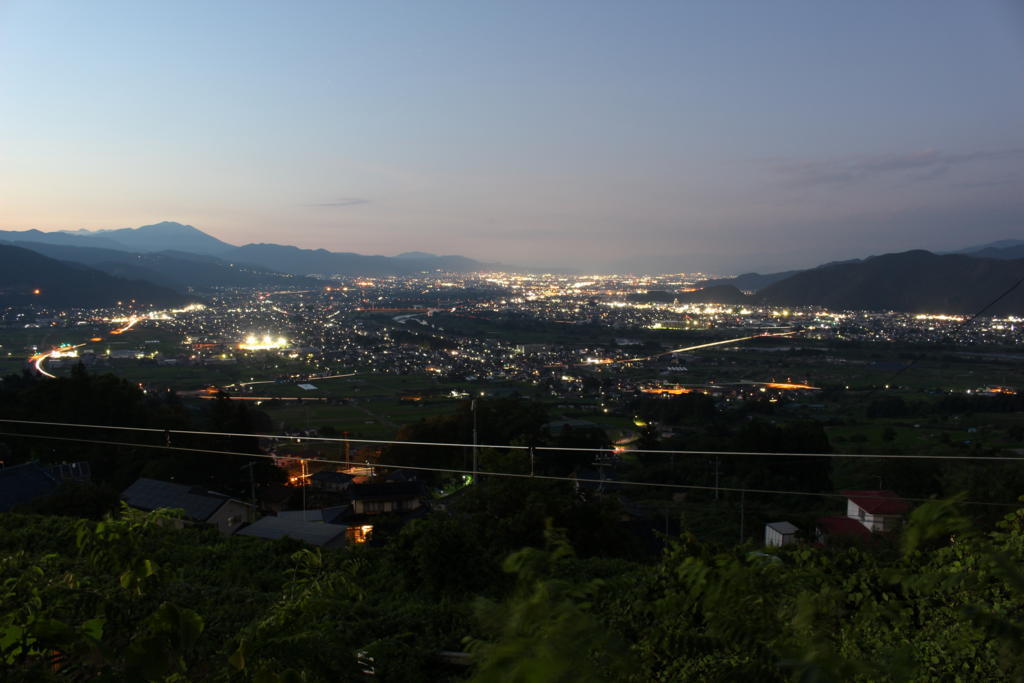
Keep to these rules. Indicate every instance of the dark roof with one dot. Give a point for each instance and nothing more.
(328, 477)
(843, 526)
(878, 502)
(784, 528)
(151, 494)
(391, 490)
(329, 515)
(401, 475)
(314, 533)
(23, 484)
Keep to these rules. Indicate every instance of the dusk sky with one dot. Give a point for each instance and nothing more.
(721, 136)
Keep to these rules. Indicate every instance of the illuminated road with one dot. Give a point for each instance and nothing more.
(38, 359)
(703, 346)
(129, 325)
(273, 381)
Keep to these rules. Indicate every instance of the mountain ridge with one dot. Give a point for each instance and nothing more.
(915, 281)
(27, 277)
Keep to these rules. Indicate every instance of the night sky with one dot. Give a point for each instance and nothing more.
(720, 136)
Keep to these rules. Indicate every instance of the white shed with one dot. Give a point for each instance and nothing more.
(778, 534)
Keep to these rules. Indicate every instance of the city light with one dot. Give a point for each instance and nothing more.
(264, 343)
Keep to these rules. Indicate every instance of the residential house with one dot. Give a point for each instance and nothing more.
(330, 515)
(867, 512)
(318, 534)
(331, 481)
(199, 505)
(379, 498)
(879, 511)
(21, 484)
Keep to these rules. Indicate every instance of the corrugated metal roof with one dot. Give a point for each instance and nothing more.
(314, 533)
(152, 494)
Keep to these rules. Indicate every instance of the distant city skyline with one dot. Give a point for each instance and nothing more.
(601, 136)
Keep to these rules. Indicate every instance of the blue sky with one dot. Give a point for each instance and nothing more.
(719, 136)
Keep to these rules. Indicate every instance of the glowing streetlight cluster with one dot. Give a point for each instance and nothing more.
(264, 343)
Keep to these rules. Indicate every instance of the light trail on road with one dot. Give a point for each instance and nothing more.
(273, 381)
(701, 346)
(37, 360)
(131, 323)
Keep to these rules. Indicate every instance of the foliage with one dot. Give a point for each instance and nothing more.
(133, 597)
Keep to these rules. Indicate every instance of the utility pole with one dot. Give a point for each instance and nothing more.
(252, 488)
(716, 477)
(743, 497)
(472, 406)
(302, 483)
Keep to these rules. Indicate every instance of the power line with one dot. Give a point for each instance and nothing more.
(343, 440)
(514, 475)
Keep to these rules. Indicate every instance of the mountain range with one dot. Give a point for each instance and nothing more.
(29, 277)
(268, 258)
(163, 262)
(913, 281)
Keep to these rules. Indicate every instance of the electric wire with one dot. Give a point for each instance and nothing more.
(517, 447)
(515, 475)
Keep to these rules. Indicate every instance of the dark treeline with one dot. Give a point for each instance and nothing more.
(110, 402)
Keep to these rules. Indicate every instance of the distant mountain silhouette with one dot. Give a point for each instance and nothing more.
(171, 236)
(990, 247)
(320, 261)
(912, 281)
(71, 285)
(167, 235)
(1004, 252)
(718, 294)
(749, 282)
(156, 237)
(148, 238)
(177, 270)
(63, 238)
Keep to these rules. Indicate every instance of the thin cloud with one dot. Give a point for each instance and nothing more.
(924, 165)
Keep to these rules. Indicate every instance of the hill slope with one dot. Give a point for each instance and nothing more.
(913, 281)
(750, 282)
(174, 269)
(70, 285)
(308, 261)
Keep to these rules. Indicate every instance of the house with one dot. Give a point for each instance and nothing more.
(847, 527)
(401, 475)
(329, 515)
(319, 534)
(379, 498)
(879, 511)
(199, 505)
(778, 534)
(331, 481)
(867, 512)
(24, 483)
